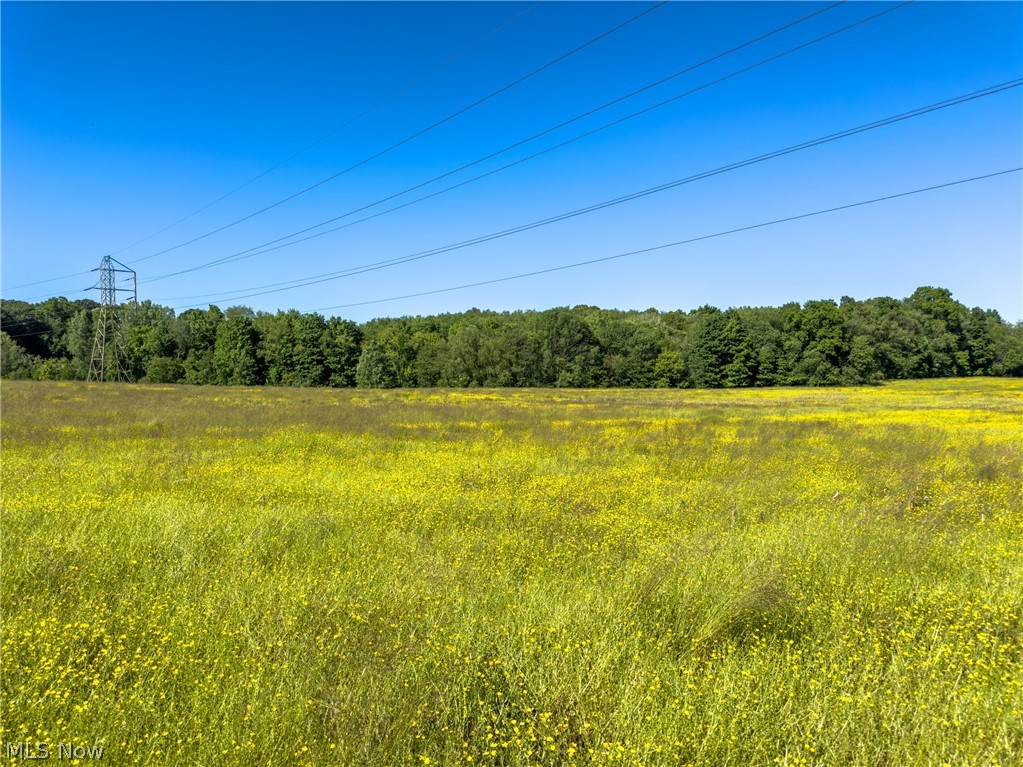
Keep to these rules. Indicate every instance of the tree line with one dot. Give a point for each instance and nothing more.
(820, 343)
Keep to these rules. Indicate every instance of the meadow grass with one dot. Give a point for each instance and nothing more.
(205, 576)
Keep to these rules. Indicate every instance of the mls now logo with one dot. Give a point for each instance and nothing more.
(45, 751)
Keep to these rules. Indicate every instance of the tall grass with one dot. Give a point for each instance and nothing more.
(780, 577)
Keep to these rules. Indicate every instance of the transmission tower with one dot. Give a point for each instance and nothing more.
(109, 358)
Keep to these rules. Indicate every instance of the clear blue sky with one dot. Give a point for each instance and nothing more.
(120, 119)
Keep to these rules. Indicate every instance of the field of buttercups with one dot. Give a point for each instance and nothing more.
(200, 576)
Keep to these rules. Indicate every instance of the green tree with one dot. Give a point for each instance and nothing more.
(147, 332)
(464, 363)
(200, 333)
(1007, 344)
(431, 358)
(704, 350)
(56, 313)
(475, 352)
(820, 332)
(309, 363)
(862, 366)
(765, 335)
(399, 340)
(78, 340)
(821, 343)
(943, 345)
(569, 351)
(342, 345)
(739, 361)
(375, 370)
(23, 320)
(670, 369)
(53, 369)
(15, 362)
(719, 351)
(630, 344)
(981, 327)
(892, 330)
(518, 352)
(164, 370)
(234, 354)
(276, 347)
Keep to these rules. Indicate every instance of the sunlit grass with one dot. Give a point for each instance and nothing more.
(748, 577)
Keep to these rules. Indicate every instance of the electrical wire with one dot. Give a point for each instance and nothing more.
(50, 279)
(404, 89)
(409, 138)
(248, 252)
(673, 244)
(654, 248)
(374, 266)
(26, 335)
(369, 110)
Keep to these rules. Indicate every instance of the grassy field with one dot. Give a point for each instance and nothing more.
(205, 576)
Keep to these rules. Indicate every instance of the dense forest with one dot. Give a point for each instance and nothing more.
(820, 343)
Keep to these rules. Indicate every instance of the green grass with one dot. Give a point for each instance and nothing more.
(749, 577)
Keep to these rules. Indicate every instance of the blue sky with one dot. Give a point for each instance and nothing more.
(120, 119)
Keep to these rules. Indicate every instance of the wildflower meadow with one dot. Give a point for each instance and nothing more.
(255, 576)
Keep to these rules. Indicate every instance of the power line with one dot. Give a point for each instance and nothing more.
(23, 323)
(673, 244)
(51, 279)
(374, 266)
(369, 110)
(651, 249)
(26, 335)
(249, 252)
(404, 89)
(65, 294)
(412, 137)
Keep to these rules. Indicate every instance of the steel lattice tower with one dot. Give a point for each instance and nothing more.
(109, 358)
